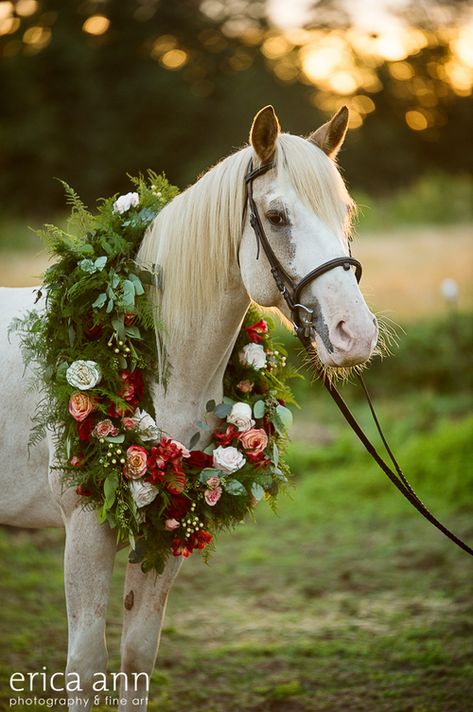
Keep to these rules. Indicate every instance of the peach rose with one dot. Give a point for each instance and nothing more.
(255, 440)
(80, 406)
(245, 386)
(136, 462)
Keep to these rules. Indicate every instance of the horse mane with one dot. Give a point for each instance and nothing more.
(195, 238)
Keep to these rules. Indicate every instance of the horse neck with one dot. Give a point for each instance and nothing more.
(198, 361)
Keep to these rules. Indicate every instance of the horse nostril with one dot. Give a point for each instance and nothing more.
(343, 337)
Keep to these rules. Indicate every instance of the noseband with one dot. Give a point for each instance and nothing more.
(303, 318)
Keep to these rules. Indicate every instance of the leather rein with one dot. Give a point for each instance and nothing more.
(303, 320)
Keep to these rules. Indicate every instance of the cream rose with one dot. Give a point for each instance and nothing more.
(228, 459)
(136, 462)
(253, 355)
(143, 493)
(125, 202)
(240, 417)
(255, 440)
(146, 425)
(80, 406)
(83, 375)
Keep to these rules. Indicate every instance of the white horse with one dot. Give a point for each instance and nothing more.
(207, 250)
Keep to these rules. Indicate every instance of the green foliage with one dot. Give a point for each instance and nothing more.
(433, 199)
(434, 354)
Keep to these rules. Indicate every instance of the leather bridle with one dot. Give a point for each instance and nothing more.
(303, 318)
(304, 322)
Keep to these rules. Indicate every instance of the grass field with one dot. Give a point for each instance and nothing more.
(347, 600)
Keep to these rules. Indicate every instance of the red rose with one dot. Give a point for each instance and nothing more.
(83, 491)
(85, 428)
(199, 460)
(227, 437)
(257, 458)
(179, 506)
(92, 330)
(129, 318)
(76, 460)
(132, 386)
(255, 330)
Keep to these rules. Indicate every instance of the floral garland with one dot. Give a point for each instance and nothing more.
(94, 347)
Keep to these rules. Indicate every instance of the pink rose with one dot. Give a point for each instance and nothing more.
(136, 462)
(213, 482)
(76, 460)
(255, 440)
(129, 423)
(80, 405)
(213, 495)
(171, 524)
(104, 428)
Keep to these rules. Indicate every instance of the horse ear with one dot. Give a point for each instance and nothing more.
(330, 136)
(264, 132)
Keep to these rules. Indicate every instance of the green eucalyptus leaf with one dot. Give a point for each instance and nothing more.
(109, 306)
(100, 301)
(285, 416)
(223, 409)
(259, 408)
(234, 487)
(128, 293)
(115, 438)
(133, 332)
(100, 263)
(88, 266)
(137, 284)
(194, 440)
(203, 425)
(119, 326)
(257, 491)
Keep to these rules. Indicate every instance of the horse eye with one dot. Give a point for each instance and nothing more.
(277, 218)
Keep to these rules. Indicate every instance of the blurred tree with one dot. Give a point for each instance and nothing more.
(97, 88)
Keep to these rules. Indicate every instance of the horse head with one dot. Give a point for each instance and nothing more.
(304, 211)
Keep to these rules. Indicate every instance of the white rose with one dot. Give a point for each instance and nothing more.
(125, 202)
(253, 355)
(83, 375)
(228, 459)
(142, 492)
(146, 425)
(240, 416)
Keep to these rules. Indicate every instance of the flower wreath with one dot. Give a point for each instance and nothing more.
(94, 347)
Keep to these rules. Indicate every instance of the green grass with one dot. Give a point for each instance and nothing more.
(347, 600)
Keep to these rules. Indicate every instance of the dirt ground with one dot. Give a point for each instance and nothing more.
(402, 270)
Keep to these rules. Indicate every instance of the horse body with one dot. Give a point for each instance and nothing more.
(211, 271)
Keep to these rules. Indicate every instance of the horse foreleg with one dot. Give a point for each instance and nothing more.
(145, 605)
(88, 563)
